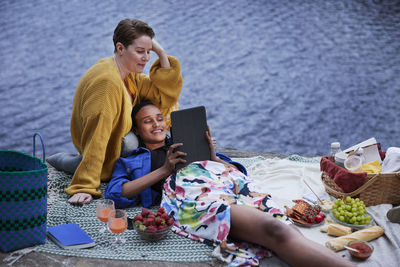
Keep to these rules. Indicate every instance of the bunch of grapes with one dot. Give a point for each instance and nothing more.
(351, 211)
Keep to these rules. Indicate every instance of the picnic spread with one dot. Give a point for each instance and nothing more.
(283, 179)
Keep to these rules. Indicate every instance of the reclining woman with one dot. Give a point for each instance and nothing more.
(103, 101)
(211, 201)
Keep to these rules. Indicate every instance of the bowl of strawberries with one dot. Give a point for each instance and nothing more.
(153, 226)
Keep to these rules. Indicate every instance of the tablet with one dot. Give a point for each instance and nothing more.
(189, 126)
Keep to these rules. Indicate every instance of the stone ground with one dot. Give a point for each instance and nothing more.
(39, 259)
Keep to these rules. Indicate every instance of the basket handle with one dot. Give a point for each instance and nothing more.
(355, 192)
(34, 145)
(364, 186)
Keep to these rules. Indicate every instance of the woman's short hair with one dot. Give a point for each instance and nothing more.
(128, 30)
(136, 109)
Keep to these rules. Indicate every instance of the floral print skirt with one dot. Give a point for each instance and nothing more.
(199, 198)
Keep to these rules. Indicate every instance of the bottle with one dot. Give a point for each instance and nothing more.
(335, 148)
(360, 153)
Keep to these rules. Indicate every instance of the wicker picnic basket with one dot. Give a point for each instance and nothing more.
(373, 189)
(383, 188)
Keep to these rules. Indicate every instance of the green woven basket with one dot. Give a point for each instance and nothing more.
(23, 199)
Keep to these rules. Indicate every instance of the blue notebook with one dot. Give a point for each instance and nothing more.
(70, 236)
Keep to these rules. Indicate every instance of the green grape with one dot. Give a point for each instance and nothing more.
(351, 210)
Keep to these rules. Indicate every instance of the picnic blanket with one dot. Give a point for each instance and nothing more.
(282, 178)
(172, 248)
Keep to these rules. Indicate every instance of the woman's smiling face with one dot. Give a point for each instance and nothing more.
(151, 126)
(137, 54)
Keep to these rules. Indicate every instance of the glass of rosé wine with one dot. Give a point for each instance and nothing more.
(103, 208)
(117, 223)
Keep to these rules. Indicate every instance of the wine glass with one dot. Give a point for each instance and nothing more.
(103, 208)
(117, 223)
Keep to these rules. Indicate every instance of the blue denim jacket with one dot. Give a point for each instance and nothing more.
(136, 165)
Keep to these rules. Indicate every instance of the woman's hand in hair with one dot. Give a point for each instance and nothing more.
(173, 157)
(159, 50)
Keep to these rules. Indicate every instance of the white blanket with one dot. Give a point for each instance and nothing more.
(283, 179)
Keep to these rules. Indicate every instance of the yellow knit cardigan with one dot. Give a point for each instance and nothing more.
(101, 115)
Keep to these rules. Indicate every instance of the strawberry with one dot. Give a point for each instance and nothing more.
(145, 212)
(138, 217)
(142, 227)
(162, 226)
(147, 221)
(138, 223)
(165, 216)
(152, 228)
(151, 215)
(151, 221)
(161, 210)
(170, 221)
(158, 220)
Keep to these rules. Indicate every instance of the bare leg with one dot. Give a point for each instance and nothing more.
(252, 225)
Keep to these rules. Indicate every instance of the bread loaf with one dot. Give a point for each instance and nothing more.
(335, 229)
(366, 234)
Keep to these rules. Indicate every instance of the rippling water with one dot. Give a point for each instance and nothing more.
(275, 76)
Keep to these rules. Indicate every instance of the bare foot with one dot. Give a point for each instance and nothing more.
(80, 198)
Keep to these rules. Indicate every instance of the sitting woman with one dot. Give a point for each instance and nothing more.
(104, 99)
(211, 201)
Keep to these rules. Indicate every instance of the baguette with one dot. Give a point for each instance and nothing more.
(367, 234)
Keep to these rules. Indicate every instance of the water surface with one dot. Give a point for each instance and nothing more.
(275, 76)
